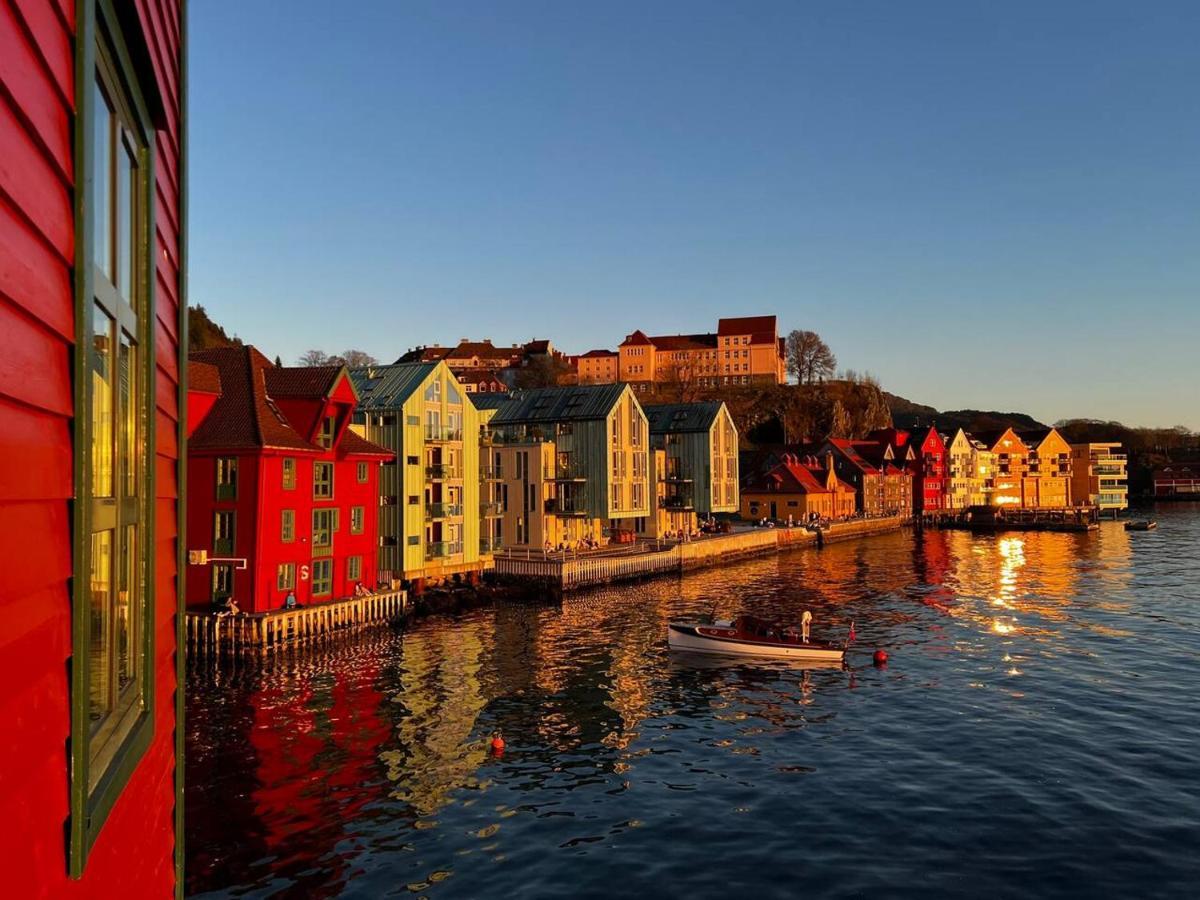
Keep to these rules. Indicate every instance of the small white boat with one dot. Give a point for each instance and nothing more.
(748, 636)
(1140, 525)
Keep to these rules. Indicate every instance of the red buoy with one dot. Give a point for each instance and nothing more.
(880, 657)
(497, 744)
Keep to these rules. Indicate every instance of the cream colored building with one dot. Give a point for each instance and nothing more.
(1099, 476)
(969, 469)
(1047, 483)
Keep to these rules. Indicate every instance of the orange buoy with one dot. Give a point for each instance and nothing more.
(880, 657)
(497, 744)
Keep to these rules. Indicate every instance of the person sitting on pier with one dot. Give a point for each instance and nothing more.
(290, 602)
(230, 609)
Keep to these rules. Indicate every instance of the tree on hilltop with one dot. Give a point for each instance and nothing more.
(809, 358)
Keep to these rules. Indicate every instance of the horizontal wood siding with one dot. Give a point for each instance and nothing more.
(133, 856)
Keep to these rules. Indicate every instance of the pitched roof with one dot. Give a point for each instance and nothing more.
(353, 444)
(850, 451)
(245, 416)
(301, 381)
(388, 387)
(203, 377)
(684, 342)
(638, 338)
(554, 404)
(667, 418)
(594, 353)
(479, 376)
(537, 346)
(762, 329)
(795, 474)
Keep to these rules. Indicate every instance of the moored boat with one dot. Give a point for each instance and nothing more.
(1140, 525)
(748, 636)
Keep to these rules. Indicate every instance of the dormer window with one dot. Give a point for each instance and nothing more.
(328, 430)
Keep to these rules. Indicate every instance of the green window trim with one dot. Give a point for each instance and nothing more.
(98, 774)
(287, 531)
(289, 473)
(357, 519)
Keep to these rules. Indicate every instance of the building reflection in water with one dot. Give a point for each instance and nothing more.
(298, 764)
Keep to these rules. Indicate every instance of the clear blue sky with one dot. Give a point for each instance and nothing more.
(992, 205)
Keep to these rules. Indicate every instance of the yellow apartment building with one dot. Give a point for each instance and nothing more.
(429, 500)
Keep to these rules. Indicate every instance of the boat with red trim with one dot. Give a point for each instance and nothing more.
(749, 636)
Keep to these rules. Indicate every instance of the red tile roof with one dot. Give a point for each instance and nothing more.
(351, 444)
(203, 377)
(245, 416)
(762, 329)
(684, 342)
(595, 353)
(301, 381)
(638, 338)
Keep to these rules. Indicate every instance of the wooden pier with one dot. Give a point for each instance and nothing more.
(219, 633)
(571, 571)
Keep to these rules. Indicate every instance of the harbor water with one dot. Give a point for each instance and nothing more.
(1035, 732)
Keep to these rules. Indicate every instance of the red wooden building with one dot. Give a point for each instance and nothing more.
(926, 463)
(282, 495)
(1176, 480)
(92, 260)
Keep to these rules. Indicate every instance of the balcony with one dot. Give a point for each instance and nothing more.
(487, 509)
(322, 549)
(490, 473)
(566, 506)
(488, 545)
(442, 549)
(443, 510)
(442, 434)
(442, 472)
(677, 475)
(678, 502)
(572, 471)
(1108, 470)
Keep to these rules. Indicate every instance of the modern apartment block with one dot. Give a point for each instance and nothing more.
(701, 446)
(573, 462)
(430, 513)
(1099, 475)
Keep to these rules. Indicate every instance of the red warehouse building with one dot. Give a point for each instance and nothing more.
(282, 495)
(925, 460)
(92, 260)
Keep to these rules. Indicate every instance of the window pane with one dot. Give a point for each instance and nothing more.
(102, 404)
(102, 173)
(128, 405)
(128, 603)
(100, 622)
(126, 244)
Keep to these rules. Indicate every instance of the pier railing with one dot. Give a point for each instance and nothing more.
(216, 633)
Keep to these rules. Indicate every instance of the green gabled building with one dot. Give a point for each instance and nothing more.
(429, 497)
(598, 469)
(701, 444)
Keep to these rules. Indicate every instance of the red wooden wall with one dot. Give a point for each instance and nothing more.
(134, 853)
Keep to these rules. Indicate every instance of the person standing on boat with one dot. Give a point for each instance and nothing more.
(805, 622)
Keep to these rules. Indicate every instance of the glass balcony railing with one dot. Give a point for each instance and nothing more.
(490, 473)
(490, 509)
(442, 549)
(442, 471)
(442, 433)
(1108, 470)
(488, 545)
(443, 510)
(566, 506)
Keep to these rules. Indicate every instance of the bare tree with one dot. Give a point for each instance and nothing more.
(809, 358)
(680, 382)
(313, 358)
(357, 359)
(541, 370)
